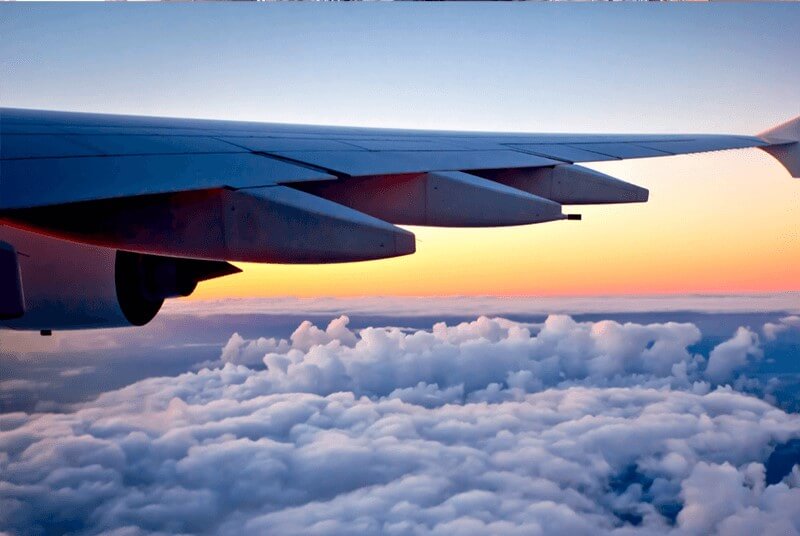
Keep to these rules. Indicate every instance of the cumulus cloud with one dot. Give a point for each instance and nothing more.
(243, 352)
(773, 329)
(732, 355)
(475, 356)
(740, 503)
(485, 427)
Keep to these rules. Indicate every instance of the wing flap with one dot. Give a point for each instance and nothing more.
(268, 145)
(565, 153)
(622, 150)
(702, 144)
(361, 163)
(410, 145)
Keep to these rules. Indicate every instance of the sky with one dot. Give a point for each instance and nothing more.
(716, 222)
(633, 373)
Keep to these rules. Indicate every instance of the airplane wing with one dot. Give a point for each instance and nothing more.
(305, 193)
(103, 217)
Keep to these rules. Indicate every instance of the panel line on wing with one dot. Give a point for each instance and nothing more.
(125, 155)
(621, 150)
(300, 163)
(564, 152)
(361, 163)
(293, 161)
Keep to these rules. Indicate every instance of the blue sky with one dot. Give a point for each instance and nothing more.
(509, 67)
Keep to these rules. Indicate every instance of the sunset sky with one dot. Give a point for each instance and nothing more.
(717, 222)
(635, 372)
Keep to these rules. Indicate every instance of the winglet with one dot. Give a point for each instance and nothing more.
(784, 145)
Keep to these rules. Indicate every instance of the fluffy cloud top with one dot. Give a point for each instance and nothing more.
(474, 355)
(733, 354)
(487, 427)
(773, 329)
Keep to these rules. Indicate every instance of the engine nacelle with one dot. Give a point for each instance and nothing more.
(67, 285)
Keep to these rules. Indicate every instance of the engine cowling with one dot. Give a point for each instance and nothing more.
(68, 285)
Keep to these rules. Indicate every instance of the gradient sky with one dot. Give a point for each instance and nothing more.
(721, 222)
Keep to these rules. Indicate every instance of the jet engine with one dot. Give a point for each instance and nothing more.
(66, 285)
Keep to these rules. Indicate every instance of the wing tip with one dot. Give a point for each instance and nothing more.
(784, 145)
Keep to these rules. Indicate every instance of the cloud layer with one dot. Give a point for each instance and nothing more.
(490, 353)
(485, 427)
(467, 305)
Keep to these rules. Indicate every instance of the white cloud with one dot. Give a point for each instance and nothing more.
(31, 342)
(397, 306)
(732, 355)
(243, 352)
(486, 427)
(772, 330)
(719, 498)
(76, 371)
(474, 355)
(21, 385)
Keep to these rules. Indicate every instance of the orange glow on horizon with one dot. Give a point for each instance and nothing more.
(717, 223)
